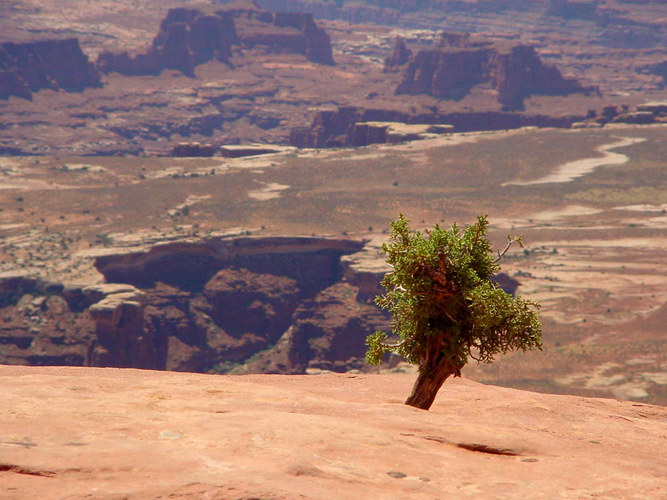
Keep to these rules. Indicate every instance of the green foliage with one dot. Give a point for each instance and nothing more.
(444, 303)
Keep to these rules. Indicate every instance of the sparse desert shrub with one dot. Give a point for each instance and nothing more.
(103, 239)
(445, 305)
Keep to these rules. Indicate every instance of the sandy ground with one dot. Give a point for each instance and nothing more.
(270, 191)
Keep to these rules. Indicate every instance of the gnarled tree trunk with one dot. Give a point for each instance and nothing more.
(428, 384)
(434, 369)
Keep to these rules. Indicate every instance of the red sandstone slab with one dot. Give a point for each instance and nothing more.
(112, 433)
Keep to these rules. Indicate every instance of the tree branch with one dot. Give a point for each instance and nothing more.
(511, 241)
(396, 346)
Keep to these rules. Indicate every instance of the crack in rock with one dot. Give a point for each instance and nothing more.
(482, 448)
(25, 470)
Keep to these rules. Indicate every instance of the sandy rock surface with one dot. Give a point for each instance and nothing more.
(113, 433)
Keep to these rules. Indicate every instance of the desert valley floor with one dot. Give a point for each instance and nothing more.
(591, 205)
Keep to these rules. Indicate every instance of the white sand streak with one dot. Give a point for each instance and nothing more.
(578, 168)
(269, 191)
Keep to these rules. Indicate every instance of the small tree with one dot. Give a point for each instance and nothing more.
(446, 306)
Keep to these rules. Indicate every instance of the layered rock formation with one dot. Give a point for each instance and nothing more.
(189, 37)
(349, 126)
(446, 74)
(325, 330)
(119, 327)
(283, 31)
(642, 114)
(268, 94)
(212, 305)
(659, 69)
(200, 306)
(365, 133)
(515, 71)
(400, 55)
(190, 265)
(45, 323)
(518, 73)
(239, 151)
(48, 64)
(192, 149)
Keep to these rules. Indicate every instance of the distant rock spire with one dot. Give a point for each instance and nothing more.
(399, 56)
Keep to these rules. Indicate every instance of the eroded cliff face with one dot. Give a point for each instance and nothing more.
(45, 323)
(324, 333)
(212, 305)
(199, 306)
(461, 62)
(659, 69)
(187, 38)
(190, 37)
(348, 126)
(400, 55)
(48, 64)
(518, 73)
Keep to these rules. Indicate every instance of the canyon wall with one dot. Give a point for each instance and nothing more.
(460, 63)
(659, 69)
(48, 64)
(449, 72)
(198, 306)
(400, 55)
(339, 128)
(189, 37)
